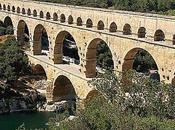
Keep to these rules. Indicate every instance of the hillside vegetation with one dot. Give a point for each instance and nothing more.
(160, 6)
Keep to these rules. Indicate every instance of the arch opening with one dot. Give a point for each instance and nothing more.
(62, 18)
(13, 8)
(173, 82)
(34, 13)
(8, 8)
(159, 35)
(174, 39)
(63, 90)
(23, 34)
(113, 27)
(40, 41)
(65, 49)
(127, 29)
(55, 17)
(98, 58)
(41, 14)
(23, 11)
(89, 23)
(48, 16)
(38, 70)
(79, 21)
(70, 19)
(100, 25)
(8, 25)
(29, 12)
(18, 10)
(140, 60)
(4, 7)
(141, 32)
(0, 7)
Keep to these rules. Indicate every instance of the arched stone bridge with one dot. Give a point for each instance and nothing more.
(124, 32)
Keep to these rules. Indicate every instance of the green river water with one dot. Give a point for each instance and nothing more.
(31, 120)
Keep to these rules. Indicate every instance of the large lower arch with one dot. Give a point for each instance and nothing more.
(65, 45)
(63, 89)
(22, 33)
(173, 82)
(40, 40)
(91, 57)
(141, 61)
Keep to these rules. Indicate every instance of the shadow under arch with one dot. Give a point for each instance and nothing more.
(63, 89)
(113, 27)
(39, 70)
(142, 61)
(23, 33)
(173, 82)
(40, 41)
(93, 93)
(91, 57)
(65, 45)
(8, 24)
(159, 35)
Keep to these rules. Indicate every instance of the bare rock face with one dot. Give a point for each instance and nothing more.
(58, 106)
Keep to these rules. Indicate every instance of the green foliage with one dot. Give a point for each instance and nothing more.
(2, 31)
(132, 5)
(148, 105)
(9, 30)
(13, 61)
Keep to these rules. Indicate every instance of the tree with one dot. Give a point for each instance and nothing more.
(13, 62)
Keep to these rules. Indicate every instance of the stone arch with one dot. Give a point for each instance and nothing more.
(159, 35)
(59, 47)
(4, 7)
(23, 11)
(34, 13)
(63, 89)
(8, 22)
(41, 14)
(141, 32)
(127, 29)
(39, 70)
(8, 8)
(23, 33)
(18, 10)
(29, 11)
(91, 94)
(129, 60)
(70, 19)
(113, 27)
(13, 8)
(100, 25)
(40, 40)
(0, 7)
(48, 16)
(91, 51)
(89, 23)
(55, 17)
(62, 18)
(79, 21)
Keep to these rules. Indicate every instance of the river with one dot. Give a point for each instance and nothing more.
(31, 120)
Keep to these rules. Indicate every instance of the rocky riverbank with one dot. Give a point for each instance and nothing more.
(19, 102)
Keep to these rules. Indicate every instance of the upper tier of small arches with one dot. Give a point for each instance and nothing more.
(159, 35)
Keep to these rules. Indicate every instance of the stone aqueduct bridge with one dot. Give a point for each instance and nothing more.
(124, 32)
